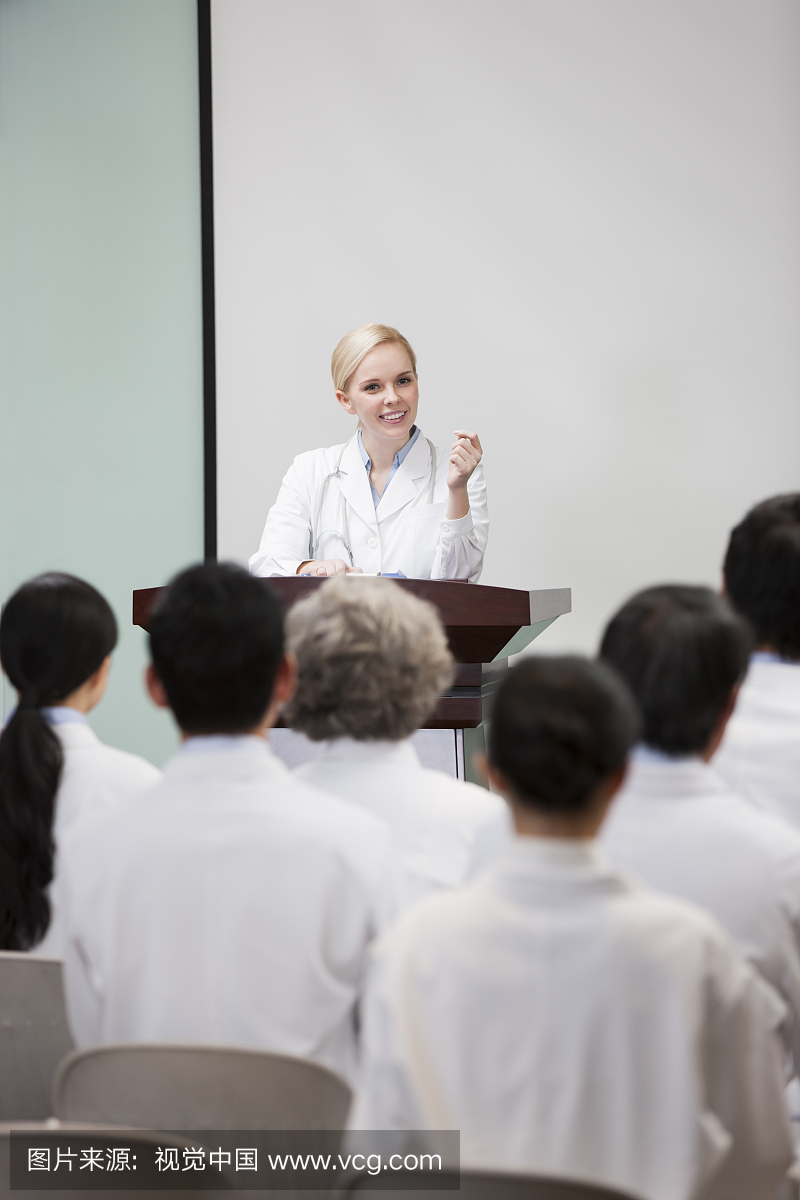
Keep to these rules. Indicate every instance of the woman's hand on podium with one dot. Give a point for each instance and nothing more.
(327, 566)
(465, 455)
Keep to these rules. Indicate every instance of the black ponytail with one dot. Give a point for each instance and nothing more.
(55, 632)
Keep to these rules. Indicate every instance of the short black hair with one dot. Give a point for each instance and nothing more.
(216, 640)
(560, 727)
(762, 572)
(681, 650)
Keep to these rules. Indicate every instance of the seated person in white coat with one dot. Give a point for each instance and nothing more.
(231, 903)
(567, 1021)
(760, 752)
(387, 501)
(373, 661)
(56, 638)
(676, 824)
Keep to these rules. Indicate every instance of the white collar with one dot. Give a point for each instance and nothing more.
(356, 488)
(348, 750)
(778, 674)
(354, 483)
(659, 776)
(417, 463)
(244, 757)
(559, 853)
(552, 870)
(76, 733)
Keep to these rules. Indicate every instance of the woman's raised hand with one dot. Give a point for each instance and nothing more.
(465, 455)
(327, 566)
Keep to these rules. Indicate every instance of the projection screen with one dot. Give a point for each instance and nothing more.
(584, 216)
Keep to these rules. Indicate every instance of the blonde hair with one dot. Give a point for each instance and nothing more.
(373, 661)
(356, 344)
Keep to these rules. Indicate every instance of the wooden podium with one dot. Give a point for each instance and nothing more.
(484, 626)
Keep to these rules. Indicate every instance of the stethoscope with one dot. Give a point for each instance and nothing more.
(344, 532)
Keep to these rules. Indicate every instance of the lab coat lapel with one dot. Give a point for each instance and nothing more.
(405, 486)
(355, 484)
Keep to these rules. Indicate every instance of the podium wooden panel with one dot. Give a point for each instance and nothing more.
(483, 624)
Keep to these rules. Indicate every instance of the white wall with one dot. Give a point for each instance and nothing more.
(100, 312)
(584, 215)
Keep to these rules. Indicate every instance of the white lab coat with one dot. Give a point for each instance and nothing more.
(760, 752)
(405, 533)
(444, 830)
(229, 904)
(94, 776)
(572, 1024)
(677, 826)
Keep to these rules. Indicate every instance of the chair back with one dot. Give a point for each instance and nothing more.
(167, 1086)
(482, 1185)
(142, 1142)
(34, 1035)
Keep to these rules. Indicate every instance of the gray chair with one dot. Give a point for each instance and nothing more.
(480, 1185)
(34, 1034)
(198, 1087)
(141, 1142)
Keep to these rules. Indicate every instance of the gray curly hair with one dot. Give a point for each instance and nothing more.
(373, 661)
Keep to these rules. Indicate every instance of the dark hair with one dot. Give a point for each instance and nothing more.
(216, 639)
(55, 632)
(682, 650)
(762, 572)
(560, 727)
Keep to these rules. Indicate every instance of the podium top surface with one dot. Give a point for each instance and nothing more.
(483, 623)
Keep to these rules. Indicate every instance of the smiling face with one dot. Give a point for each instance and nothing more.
(383, 393)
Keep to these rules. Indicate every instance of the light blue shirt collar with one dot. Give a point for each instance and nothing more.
(62, 714)
(57, 714)
(217, 743)
(652, 757)
(398, 458)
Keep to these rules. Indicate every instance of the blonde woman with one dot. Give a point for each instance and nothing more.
(387, 502)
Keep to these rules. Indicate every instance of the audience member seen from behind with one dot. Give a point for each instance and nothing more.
(683, 652)
(373, 661)
(760, 753)
(56, 638)
(232, 903)
(567, 1021)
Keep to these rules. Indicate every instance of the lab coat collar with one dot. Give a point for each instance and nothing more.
(655, 776)
(377, 753)
(540, 853)
(404, 487)
(773, 674)
(354, 483)
(536, 868)
(239, 758)
(73, 734)
(417, 462)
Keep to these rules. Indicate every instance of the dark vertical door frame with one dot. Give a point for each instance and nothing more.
(207, 249)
